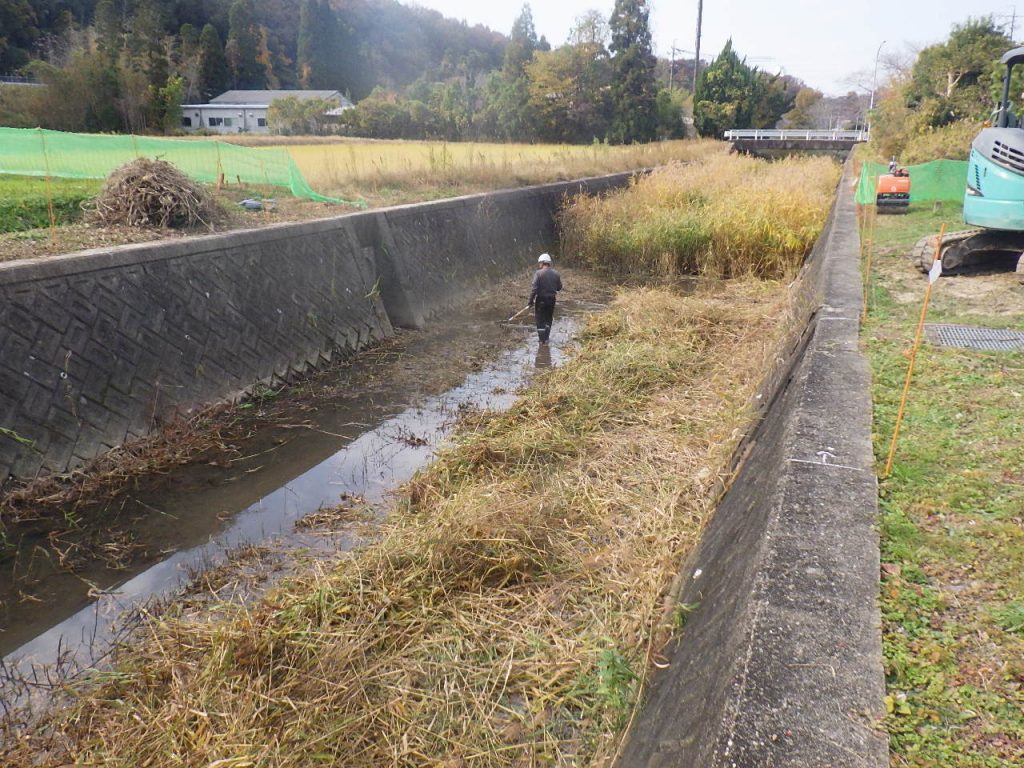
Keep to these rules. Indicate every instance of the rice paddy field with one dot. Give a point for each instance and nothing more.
(355, 173)
(345, 167)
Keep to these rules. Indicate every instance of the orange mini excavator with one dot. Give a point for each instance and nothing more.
(892, 192)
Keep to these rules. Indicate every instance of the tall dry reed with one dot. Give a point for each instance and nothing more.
(720, 216)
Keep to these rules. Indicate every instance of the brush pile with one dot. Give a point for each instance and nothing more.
(152, 193)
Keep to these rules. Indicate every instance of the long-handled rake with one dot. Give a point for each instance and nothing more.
(516, 315)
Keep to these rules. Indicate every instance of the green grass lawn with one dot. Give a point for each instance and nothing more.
(24, 201)
(952, 513)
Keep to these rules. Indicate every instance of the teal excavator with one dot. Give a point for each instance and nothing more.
(994, 200)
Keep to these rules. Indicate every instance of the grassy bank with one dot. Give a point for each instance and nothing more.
(952, 537)
(516, 598)
(721, 216)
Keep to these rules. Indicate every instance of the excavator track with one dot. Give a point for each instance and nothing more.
(970, 249)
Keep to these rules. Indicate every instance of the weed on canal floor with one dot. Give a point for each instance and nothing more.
(515, 600)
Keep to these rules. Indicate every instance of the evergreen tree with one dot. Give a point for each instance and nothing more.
(145, 43)
(306, 50)
(18, 31)
(243, 46)
(321, 56)
(506, 113)
(108, 28)
(521, 45)
(633, 89)
(189, 36)
(188, 62)
(724, 95)
(214, 76)
(957, 79)
(772, 97)
(670, 106)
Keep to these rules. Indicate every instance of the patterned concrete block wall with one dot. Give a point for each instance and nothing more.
(100, 347)
(441, 250)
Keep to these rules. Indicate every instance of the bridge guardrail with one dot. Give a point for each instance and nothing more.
(764, 134)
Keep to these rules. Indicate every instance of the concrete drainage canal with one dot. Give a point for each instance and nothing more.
(348, 435)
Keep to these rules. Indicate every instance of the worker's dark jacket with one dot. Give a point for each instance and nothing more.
(546, 283)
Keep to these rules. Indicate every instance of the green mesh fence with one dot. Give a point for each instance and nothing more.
(35, 152)
(943, 180)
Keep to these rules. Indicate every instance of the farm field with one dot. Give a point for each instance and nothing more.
(24, 201)
(358, 173)
(355, 165)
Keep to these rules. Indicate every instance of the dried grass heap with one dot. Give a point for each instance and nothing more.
(152, 193)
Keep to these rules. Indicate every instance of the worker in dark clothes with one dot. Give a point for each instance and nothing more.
(546, 285)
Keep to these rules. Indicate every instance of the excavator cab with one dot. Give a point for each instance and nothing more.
(994, 198)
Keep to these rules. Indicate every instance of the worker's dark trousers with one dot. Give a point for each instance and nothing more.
(545, 308)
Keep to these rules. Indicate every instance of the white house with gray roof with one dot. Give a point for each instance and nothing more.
(246, 111)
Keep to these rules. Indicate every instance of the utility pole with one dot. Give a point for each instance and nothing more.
(874, 86)
(696, 55)
(672, 64)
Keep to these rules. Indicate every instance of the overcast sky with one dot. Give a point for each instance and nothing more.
(822, 42)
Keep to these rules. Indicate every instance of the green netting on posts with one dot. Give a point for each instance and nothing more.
(35, 152)
(943, 180)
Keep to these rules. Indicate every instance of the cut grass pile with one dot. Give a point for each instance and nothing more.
(515, 599)
(723, 216)
(152, 193)
(24, 201)
(952, 520)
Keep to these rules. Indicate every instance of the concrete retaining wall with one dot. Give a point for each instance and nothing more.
(779, 663)
(100, 347)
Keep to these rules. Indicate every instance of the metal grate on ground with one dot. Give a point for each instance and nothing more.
(971, 337)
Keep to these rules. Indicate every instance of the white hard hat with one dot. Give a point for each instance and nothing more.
(543, 259)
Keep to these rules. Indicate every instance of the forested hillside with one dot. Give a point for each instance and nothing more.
(128, 65)
(348, 44)
(122, 64)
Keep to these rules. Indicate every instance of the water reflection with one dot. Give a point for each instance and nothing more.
(543, 359)
(369, 465)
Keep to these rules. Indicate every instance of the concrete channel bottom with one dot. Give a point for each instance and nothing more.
(974, 337)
